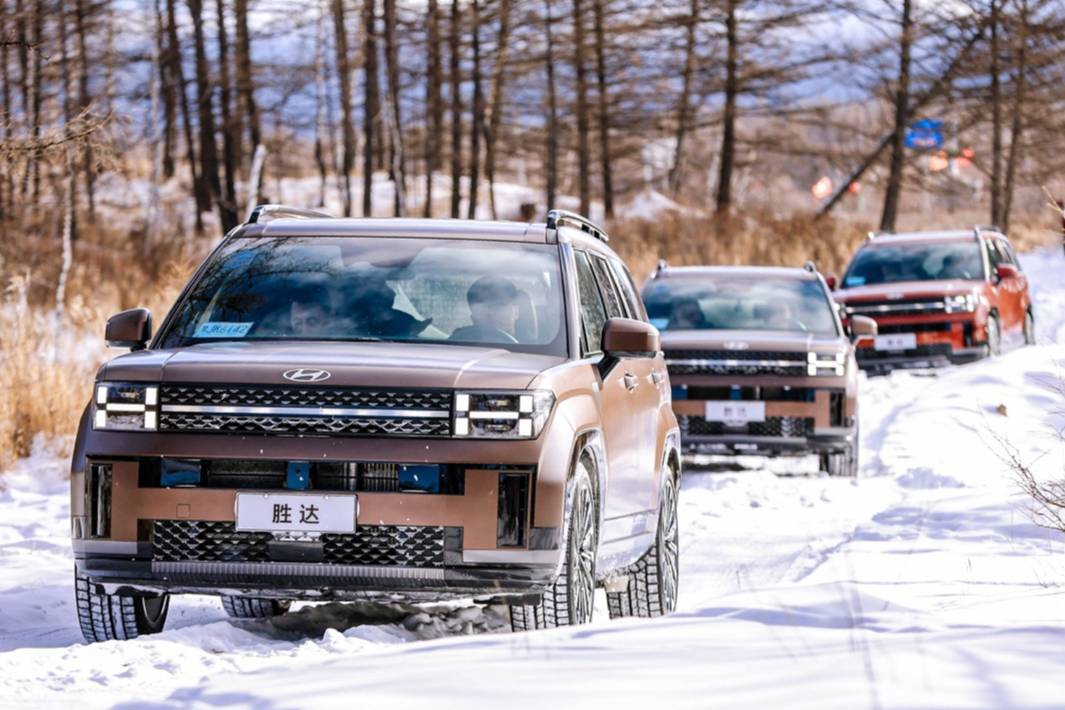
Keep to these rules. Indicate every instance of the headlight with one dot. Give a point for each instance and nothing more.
(126, 406)
(501, 415)
(961, 304)
(826, 364)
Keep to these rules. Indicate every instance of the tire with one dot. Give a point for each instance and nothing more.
(110, 617)
(1029, 327)
(846, 463)
(653, 581)
(570, 600)
(253, 607)
(994, 337)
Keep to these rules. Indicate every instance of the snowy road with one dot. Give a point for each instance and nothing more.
(922, 584)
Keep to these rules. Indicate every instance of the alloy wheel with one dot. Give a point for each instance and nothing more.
(583, 545)
(669, 546)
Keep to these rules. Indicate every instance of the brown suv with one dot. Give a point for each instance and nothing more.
(336, 407)
(759, 362)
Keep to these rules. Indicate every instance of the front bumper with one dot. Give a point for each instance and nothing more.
(941, 339)
(835, 440)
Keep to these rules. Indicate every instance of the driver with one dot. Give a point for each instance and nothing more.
(493, 302)
(309, 312)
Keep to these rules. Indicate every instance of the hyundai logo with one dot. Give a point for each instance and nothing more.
(303, 374)
(736, 345)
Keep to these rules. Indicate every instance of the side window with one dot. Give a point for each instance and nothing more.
(623, 278)
(611, 296)
(1006, 250)
(593, 315)
(992, 255)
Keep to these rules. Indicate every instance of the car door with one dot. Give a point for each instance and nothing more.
(1013, 289)
(656, 383)
(617, 402)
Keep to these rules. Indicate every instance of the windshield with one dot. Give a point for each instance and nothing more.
(395, 289)
(744, 303)
(915, 262)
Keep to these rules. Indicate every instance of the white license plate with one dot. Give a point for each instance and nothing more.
(735, 412)
(896, 341)
(296, 512)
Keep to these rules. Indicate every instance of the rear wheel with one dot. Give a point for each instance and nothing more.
(569, 600)
(1029, 328)
(110, 617)
(653, 582)
(253, 607)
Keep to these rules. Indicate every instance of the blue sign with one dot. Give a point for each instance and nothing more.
(925, 134)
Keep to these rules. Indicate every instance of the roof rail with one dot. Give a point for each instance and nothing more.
(659, 268)
(810, 266)
(556, 218)
(987, 228)
(265, 213)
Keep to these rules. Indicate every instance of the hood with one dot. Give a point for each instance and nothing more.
(376, 364)
(906, 290)
(744, 340)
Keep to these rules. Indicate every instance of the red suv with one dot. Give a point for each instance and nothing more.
(937, 297)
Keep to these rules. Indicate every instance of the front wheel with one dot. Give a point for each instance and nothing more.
(653, 581)
(994, 337)
(570, 599)
(110, 617)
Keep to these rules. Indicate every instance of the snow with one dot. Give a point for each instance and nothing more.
(922, 584)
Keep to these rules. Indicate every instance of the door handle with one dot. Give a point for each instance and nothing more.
(630, 381)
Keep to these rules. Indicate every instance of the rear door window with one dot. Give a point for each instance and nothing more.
(633, 304)
(611, 295)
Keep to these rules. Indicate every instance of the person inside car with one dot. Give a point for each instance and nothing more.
(373, 304)
(493, 302)
(686, 314)
(309, 314)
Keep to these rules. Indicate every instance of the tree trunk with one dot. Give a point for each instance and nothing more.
(604, 110)
(495, 115)
(902, 119)
(7, 188)
(168, 94)
(22, 43)
(397, 162)
(347, 128)
(208, 148)
(88, 168)
(230, 137)
(36, 95)
(583, 180)
(70, 223)
(1017, 127)
(157, 138)
(245, 84)
(996, 118)
(552, 110)
(371, 106)
(684, 104)
(320, 100)
(434, 108)
(177, 72)
(477, 122)
(454, 48)
(728, 127)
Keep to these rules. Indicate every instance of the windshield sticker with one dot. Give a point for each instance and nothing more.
(222, 330)
(854, 280)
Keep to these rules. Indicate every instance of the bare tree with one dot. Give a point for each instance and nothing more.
(177, 74)
(496, 106)
(583, 162)
(371, 104)
(347, 128)
(728, 126)
(1020, 82)
(455, 67)
(397, 163)
(230, 136)
(245, 84)
(603, 114)
(902, 117)
(477, 120)
(435, 106)
(552, 109)
(684, 102)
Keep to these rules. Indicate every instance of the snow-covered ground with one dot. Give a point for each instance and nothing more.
(922, 584)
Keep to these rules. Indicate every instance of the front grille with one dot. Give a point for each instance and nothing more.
(301, 411)
(772, 426)
(897, 307)
(736, 362)
(380, 545)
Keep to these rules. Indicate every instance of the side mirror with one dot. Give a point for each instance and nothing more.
(129, 329)
(831, 280)
(1006, 271)
(627, 336)
(863, 328)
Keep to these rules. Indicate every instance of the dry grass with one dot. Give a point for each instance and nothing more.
(48, 355)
